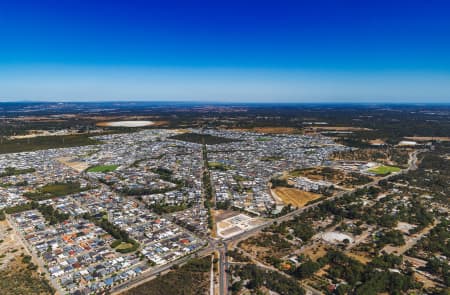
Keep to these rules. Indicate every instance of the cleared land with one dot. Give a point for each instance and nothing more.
(76, 165)
(10, 245)
(377, 142)
(18, 275)
(102, 168)
(361, 257)
(295, 197)
(21, 278)
(315, 251)
(383, 170)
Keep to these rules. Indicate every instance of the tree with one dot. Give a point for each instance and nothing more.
(306, 269)
(343, 289)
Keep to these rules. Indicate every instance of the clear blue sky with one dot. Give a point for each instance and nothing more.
(293, 51)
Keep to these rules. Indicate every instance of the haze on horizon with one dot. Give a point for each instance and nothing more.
(234, 51)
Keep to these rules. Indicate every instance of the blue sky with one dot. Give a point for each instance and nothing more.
(292, 51)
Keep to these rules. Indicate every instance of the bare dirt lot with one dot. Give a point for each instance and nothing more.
(294, 197)
(78, 166)
(361, 257)
(18, 273)
(20, 278)
(315, 251)
(377, 142)
(224, 214)
(10, 247)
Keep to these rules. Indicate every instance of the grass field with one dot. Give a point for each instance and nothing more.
(295, 197)
(123, 246)
(102, 168)
(383, 170)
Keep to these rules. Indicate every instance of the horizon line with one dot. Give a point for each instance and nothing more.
(225, 102)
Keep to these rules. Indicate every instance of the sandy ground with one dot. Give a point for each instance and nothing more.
(361, 257)
(293, 196)
(377, 142)
(224, 214)
(78, 166)
(427, 283)
(315, 251)
(11, 242)
(404, 227)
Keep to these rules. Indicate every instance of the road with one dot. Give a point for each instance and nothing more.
(223, 267)
(412, 161)
(211, 283)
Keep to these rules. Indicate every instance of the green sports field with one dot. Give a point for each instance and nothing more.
(383, 170)
(102, 168)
